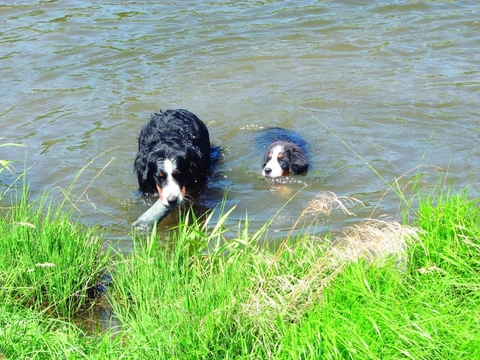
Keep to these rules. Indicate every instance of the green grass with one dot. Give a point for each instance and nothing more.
(430, 311)
(307, 303)
(48, 261)
(198, 295)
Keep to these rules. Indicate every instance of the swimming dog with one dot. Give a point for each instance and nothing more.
(286, 153)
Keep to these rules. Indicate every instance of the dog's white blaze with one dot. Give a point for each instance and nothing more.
(273, 163)
(171, 188)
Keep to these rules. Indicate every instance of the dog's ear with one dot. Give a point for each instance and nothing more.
(142, 166)
(299, 161)
(198, 164)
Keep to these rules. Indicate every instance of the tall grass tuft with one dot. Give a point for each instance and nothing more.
(376, 290)
(237, 300)
(179, 301)
(428, 309)
(47, 260)
(452, 223)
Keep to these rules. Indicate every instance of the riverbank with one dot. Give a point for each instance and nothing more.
(377, 290)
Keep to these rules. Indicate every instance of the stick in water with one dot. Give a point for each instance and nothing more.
(157, 212)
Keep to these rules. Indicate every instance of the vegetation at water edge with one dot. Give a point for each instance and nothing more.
(376, 290)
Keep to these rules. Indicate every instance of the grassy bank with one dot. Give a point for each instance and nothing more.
(379, 290)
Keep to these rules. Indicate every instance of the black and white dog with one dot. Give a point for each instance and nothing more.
(173, 159)
(286, 153)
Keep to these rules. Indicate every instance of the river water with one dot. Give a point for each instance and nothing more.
(381, 90)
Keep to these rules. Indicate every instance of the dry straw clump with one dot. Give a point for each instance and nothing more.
(373, 240)
(325, 202)
(290, 296)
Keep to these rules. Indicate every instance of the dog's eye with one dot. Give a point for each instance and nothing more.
(280, 156)
(161, 176)
(176, 174)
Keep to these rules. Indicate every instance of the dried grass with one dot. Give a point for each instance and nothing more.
(290, 296)
(373, 239)
(325, 202)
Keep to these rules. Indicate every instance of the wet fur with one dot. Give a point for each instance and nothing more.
(175, 138)
(286, 153)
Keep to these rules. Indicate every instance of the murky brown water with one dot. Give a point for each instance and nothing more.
(396, 83)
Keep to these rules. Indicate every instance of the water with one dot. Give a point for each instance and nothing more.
(380, 91)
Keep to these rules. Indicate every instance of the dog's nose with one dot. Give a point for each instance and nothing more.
(172, 200)
(267, 171)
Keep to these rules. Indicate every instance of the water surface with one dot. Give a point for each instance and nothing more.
(380, 91)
